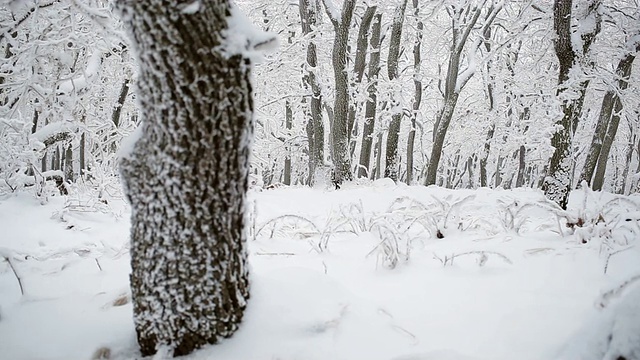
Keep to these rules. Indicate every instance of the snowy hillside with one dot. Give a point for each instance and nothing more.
(371, 272)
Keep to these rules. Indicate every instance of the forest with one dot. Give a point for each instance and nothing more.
(460, 94)
(319, 179)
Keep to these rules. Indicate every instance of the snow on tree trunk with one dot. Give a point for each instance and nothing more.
(358, 70)
(609, 102)
(372, 99)
(417, 84)
(309, 12)
(186, 175)
(464, 20)
(391, 163)
(557, 184)
(339, 126)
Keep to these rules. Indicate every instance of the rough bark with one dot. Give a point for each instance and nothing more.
(315, 127)
(339, 126)
(557, 183)
(372, 99)
(186, 176)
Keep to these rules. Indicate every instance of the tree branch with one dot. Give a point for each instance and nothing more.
(17, 23)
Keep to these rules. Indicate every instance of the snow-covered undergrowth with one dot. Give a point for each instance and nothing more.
(370, 272)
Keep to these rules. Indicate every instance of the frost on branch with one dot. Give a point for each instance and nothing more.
(242, 37)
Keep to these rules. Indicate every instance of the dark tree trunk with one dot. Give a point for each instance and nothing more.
(378, 156)
(612, 130)
(186, 177)
(81, 155)
(463, 21)
(56, 159)
(485, 155)
(372, 99)
(340, 124)
(557, 183)
(358, 69)
(521, 166)
(609, 102)
(68, 164)
(315, 127)
(391, 160)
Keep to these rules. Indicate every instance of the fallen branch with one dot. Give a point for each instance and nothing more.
(606, 298)
(13, 268)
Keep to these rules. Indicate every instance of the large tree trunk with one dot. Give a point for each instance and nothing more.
(339, 126)
(372, 99)
(186, 176)
(391, 160)
(557, 183)
(315, 127)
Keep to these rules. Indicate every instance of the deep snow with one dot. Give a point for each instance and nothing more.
(358, 273)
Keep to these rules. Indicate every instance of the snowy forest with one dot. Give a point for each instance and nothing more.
(399, 179)
(461, 94)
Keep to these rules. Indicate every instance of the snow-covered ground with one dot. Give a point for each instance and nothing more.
(375, 271)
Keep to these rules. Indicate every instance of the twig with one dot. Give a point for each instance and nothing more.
(297, 217)
(13, 268)
(98, 263)
(606, 298)
(606, 264)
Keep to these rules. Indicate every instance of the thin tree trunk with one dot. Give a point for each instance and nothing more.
(81, 155)
(358, 69)
(378, 155)
(521, 166)
(187, 175)
(492, 128)
(627, 164)
(309, 13)
(454, 82)
(485, 155)
(417, 84)
(372, 99)
(57, 160)
(339, 127)
(612, 130)
(391, 160)
(287, 160)
(68, 164)
(610, 100)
